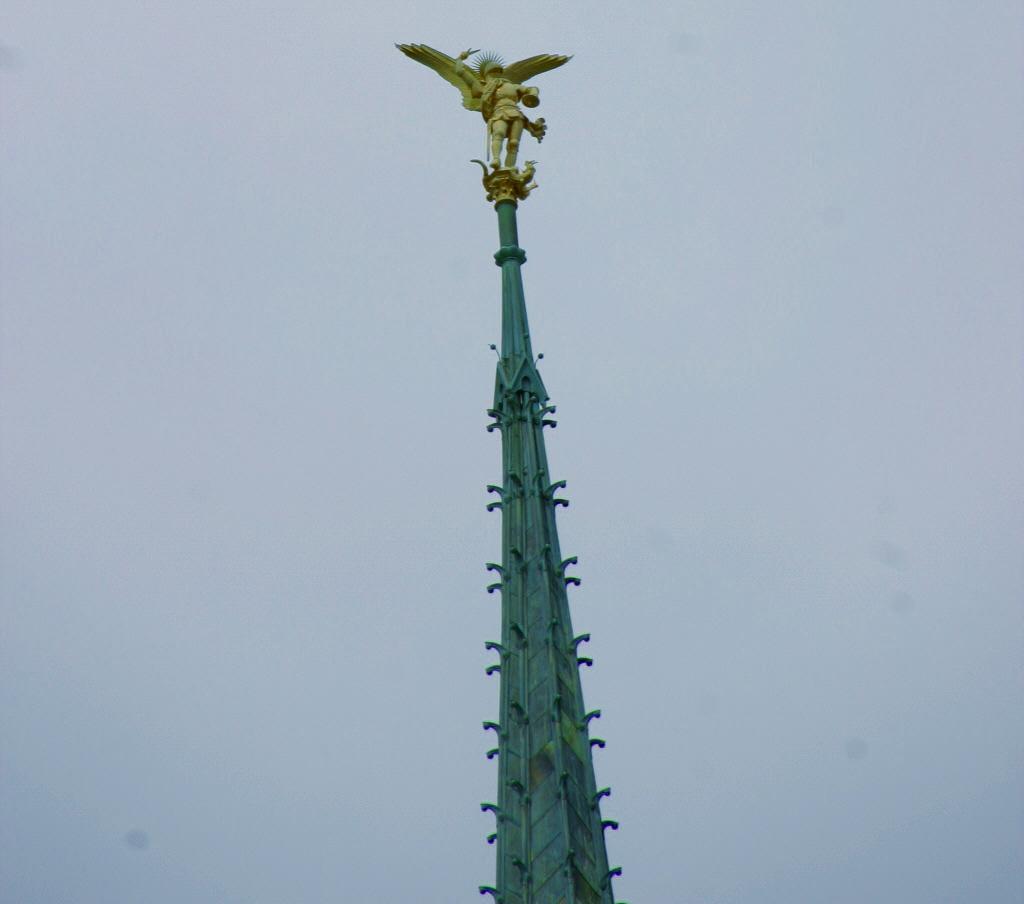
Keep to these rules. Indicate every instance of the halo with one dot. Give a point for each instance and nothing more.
(486, 60)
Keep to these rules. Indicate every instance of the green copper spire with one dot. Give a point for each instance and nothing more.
(550, 835)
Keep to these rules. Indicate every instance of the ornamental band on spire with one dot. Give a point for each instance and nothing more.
(496, 91)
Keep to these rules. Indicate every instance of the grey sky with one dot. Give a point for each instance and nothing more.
(774, 266)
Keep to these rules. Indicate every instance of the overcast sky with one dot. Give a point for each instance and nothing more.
(247, 296)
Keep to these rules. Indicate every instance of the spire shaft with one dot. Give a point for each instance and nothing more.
(550, 836)
(515, 329)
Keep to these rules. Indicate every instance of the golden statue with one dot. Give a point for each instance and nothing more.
(496, 91)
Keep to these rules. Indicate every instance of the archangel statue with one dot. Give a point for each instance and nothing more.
(495, 90)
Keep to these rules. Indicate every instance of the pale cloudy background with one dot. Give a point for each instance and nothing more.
(247, 296)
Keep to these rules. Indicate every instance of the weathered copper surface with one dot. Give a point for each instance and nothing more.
(550, 835)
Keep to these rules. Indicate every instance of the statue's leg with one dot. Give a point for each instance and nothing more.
(498, 132)
(512, 148)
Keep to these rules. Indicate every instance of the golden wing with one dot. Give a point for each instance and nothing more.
(535, 65)
(463, 78)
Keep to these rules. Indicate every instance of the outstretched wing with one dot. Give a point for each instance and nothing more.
(535, 65)
(462, 77)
